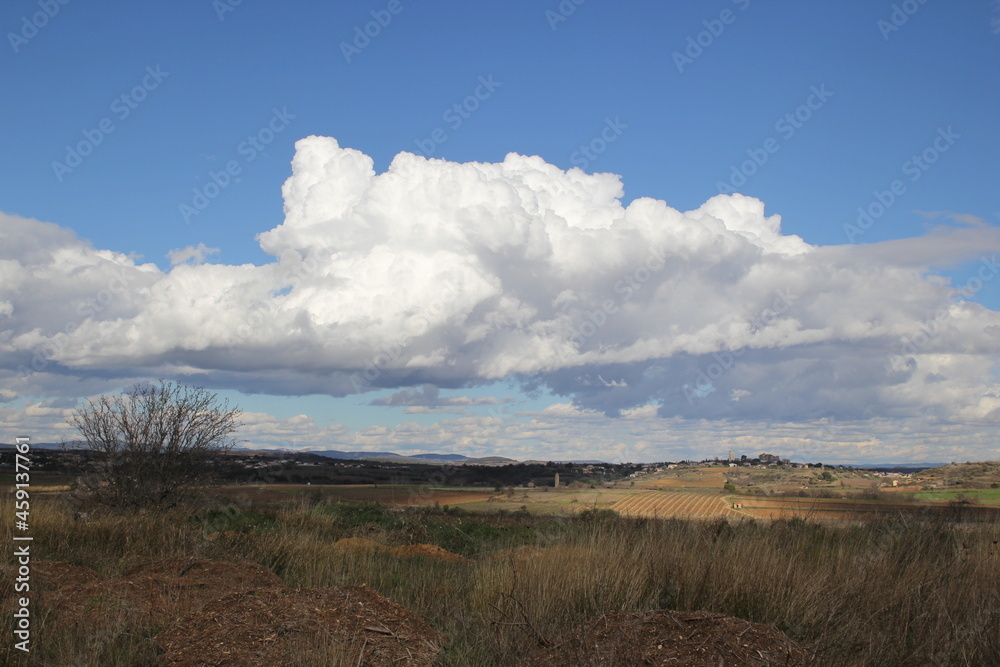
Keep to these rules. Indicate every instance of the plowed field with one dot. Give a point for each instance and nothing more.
(847, 510)
(669, 505)
(700, 479)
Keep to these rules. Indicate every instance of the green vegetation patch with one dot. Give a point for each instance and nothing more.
(471, 537)
(985, 496)
(243, 520)
(352, 515)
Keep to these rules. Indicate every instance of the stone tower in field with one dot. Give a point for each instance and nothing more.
(556, 485)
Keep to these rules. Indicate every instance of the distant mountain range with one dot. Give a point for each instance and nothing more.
(465, 460)
(47, 445)
(399, 458)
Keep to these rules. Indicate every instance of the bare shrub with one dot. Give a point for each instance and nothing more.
(155, 442)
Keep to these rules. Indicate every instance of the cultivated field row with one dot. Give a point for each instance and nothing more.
(667, 505)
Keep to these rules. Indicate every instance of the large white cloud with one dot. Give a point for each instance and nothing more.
(456, 274)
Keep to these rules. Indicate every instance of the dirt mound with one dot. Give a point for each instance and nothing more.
(56, 575)
(157, 592)
(693, 639)
(202, 572)
(272, 627)
(364, 545)
(165, 588)
(225, 535)
(428, 551)
(49, 578)
(360, 544)
(53, 582)
(75, 595)
(236, 613)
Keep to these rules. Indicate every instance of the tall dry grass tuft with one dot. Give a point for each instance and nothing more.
(120, 640)
(881, 592)
(869, 593)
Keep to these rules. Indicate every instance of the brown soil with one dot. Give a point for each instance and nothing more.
(272, 627)
(218, 612)
(360, 544)
(693, 639)
(364, 545)
(428, 551)
(69, 591)
(446, 498)
(702, 478)
(157, 592)
(168, 587)
(52, 576)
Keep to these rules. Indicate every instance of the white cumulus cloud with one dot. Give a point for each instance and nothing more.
(190, 255)
(450, 275)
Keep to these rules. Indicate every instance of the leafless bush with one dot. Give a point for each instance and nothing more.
(155, 442)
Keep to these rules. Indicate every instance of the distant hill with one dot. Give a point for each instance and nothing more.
(979, 474)
(490, 461)
(904, 468)
(337, 454)
(578, 462)
(951, 471)
(46, 445)
(393, 457)
(426, 459)
(441, 457)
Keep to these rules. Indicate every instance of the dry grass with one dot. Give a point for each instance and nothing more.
(886, 592)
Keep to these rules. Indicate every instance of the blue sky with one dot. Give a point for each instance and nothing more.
(686, 95)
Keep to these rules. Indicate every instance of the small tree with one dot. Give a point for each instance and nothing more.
(157, 440)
